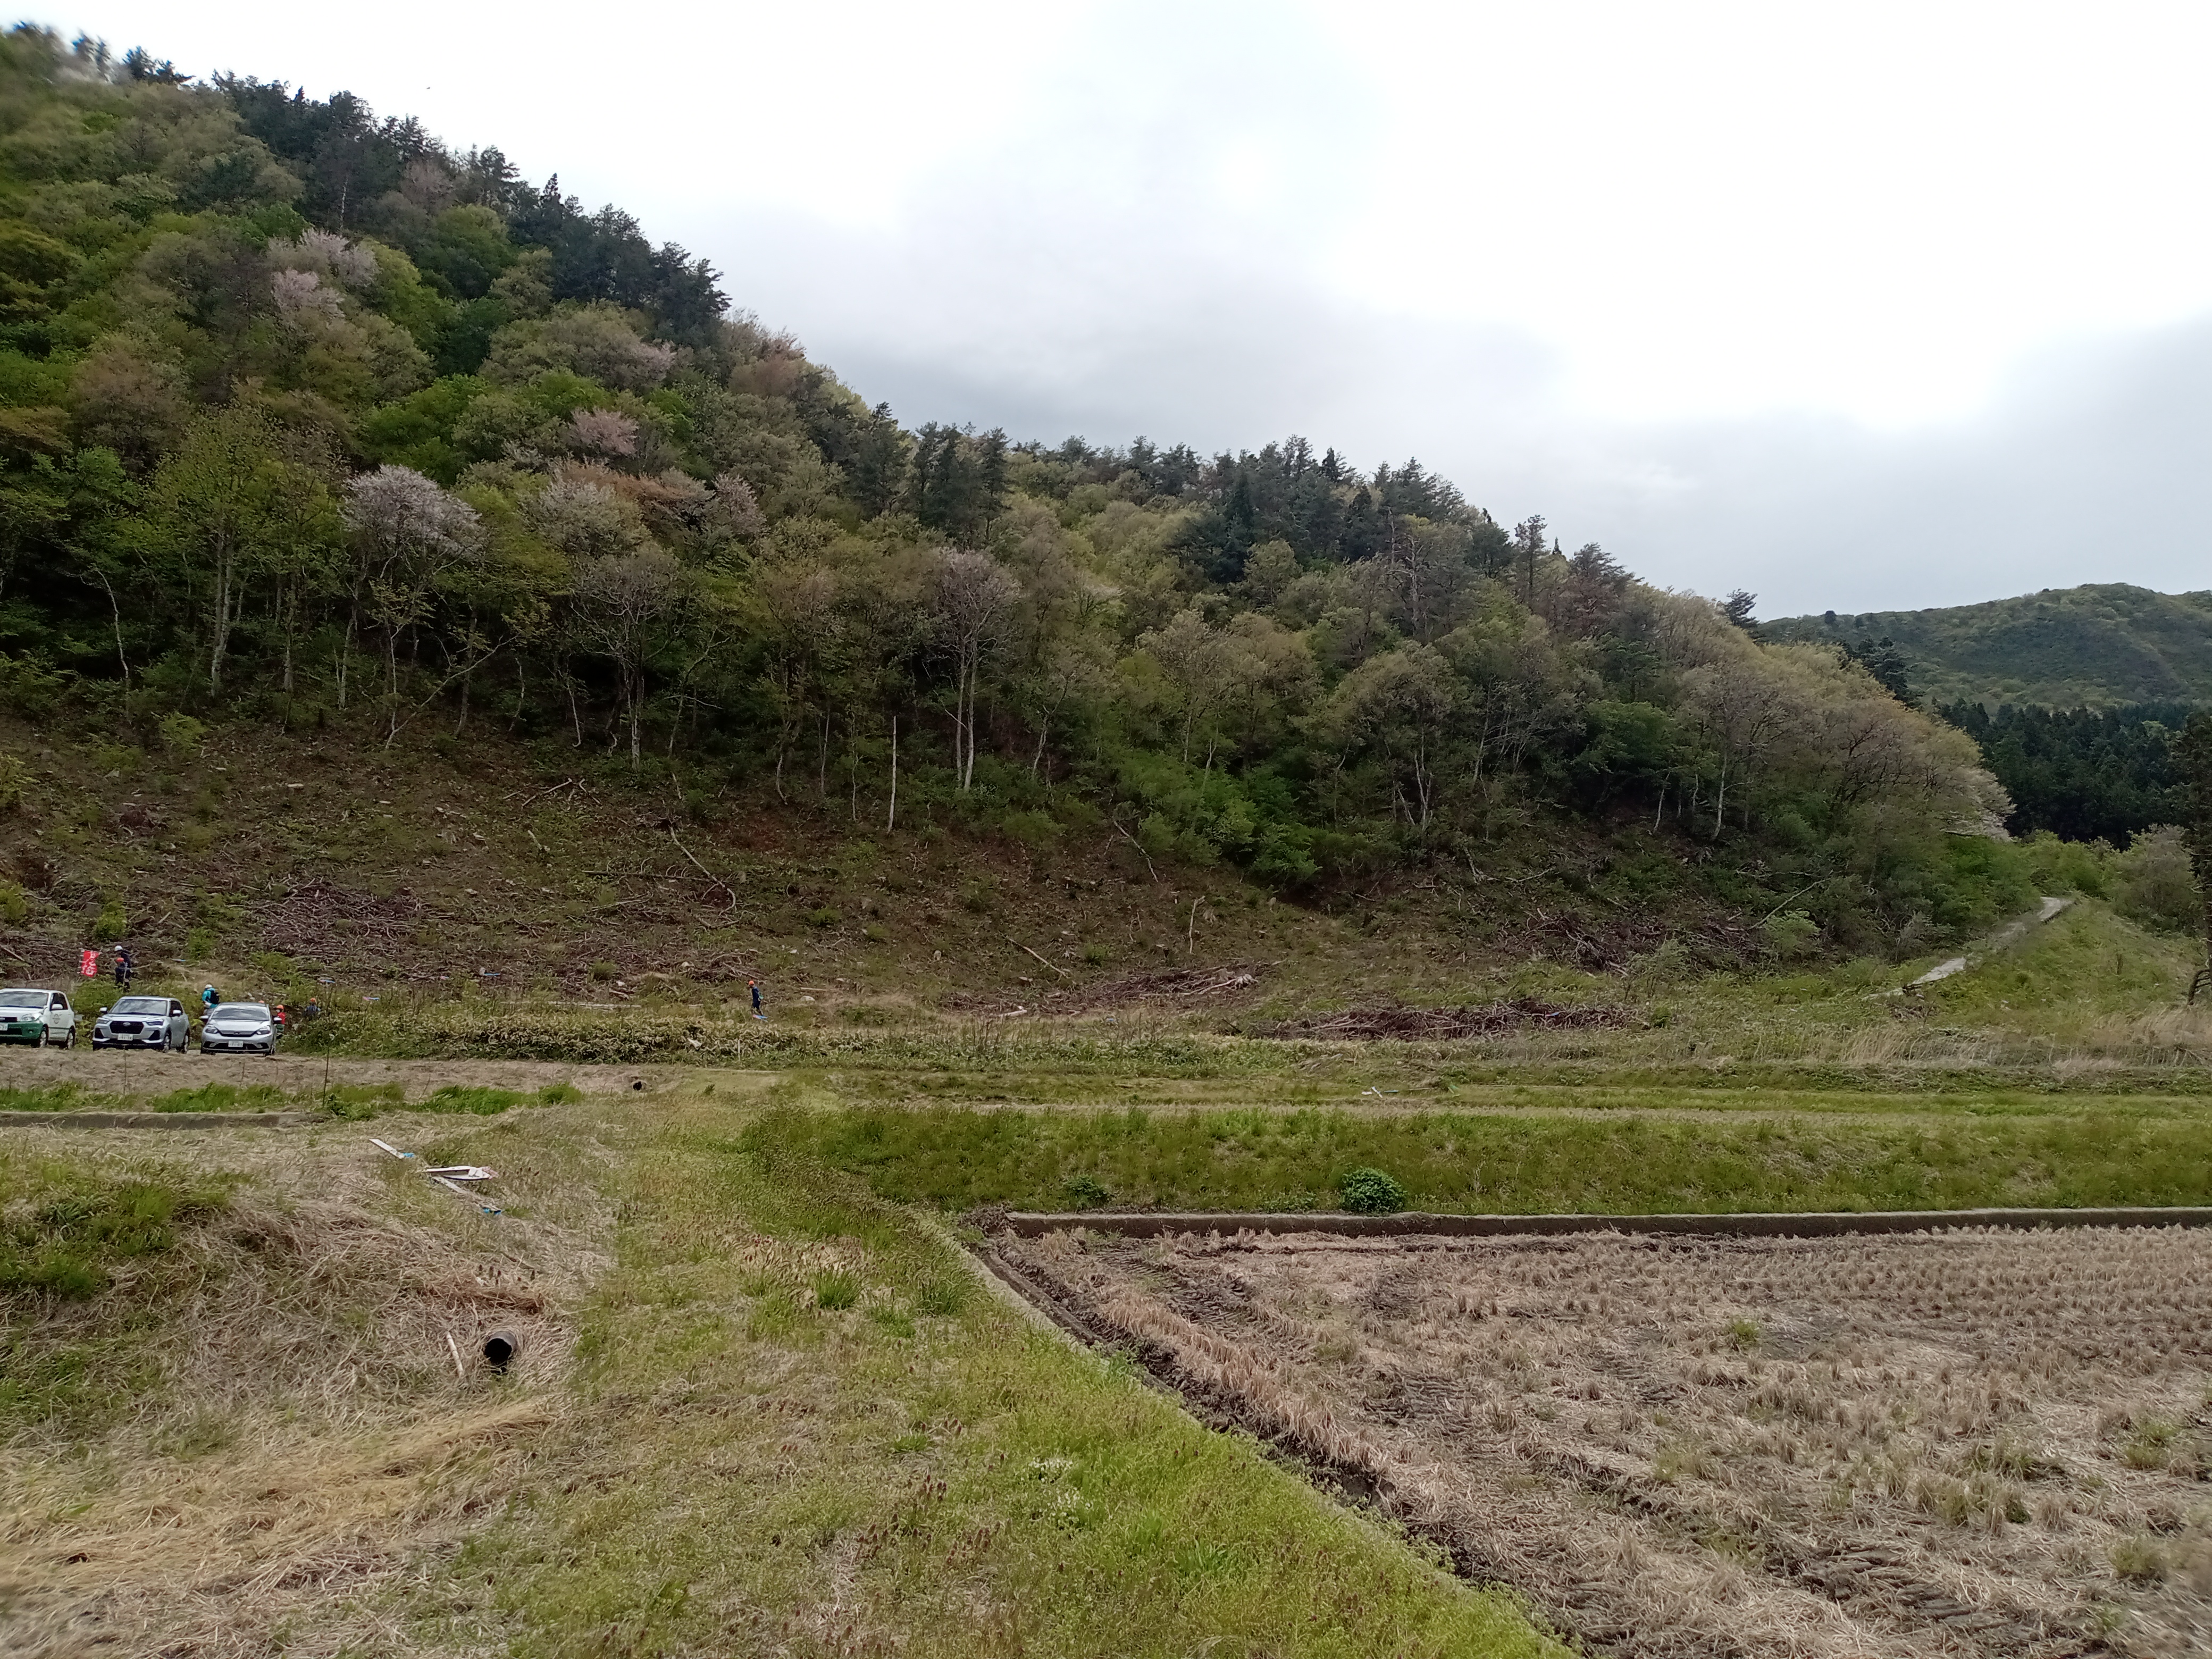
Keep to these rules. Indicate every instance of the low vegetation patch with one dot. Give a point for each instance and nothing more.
(85, 1255)
(49, 1097)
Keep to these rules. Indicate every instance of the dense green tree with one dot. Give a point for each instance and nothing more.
(2086, 774)
(2192, 753)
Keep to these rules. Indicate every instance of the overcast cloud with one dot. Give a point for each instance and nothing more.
(1861, 307)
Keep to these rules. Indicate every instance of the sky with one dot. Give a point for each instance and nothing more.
(1860, 307)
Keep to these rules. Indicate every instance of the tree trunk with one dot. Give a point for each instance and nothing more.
(963, 729)
(221, 617)
(288, 604)
(391, 679)
(124, 661)
(891, 817)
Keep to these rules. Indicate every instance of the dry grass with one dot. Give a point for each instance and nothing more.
(1971, 1444)
(304, 1441)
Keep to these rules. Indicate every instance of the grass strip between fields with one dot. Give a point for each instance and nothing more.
(956, 1158)
(346, 1101)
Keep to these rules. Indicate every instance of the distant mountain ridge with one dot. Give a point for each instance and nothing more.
(2099, 646)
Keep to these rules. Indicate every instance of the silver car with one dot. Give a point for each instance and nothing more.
(37, 1017)
(143, 1022)
(243, 1028)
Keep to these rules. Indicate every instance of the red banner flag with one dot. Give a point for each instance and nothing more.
(89, 965)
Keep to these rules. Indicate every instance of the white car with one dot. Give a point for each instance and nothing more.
(241, 1028)
(38, 1018)
(143, 1022)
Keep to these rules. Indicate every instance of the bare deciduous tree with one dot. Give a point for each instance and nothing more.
(619, 602)
(407, 533)
(973, 601)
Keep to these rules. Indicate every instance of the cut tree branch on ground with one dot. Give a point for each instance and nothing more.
(1055, 968)
(1141, 852)
(703, 869)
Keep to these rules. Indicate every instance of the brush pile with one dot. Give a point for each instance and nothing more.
(1447, 1025)
(1168, 985)
(343, 926)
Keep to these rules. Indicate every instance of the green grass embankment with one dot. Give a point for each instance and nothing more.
(815, 1388)
(762, 1411)
(341, 1100)
(1623, 1162)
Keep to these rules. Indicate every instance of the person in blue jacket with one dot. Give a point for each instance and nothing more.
(755, 985)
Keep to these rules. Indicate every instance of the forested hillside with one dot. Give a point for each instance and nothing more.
(2096, 646)
(310, 423)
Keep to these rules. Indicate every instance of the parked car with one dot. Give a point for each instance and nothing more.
(38, 1018)
(246, 1028)
(144, 1023)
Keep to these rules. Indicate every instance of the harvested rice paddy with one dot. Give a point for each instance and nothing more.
(1968, 1443)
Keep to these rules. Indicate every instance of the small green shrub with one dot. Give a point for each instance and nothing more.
(874, 934)
(1087, 1192)
(837, 1290)
(181, 734)
(2150, 1445)
(2139, 1559)
(1032, 829)
(11, 783)
(2156, 887)
(1744, 1334)
(824, 917)
(560, 1094)
(602, 971)
(1791, 934)
(977, 897)
(112, 923)
(199, 945)
(1097, 955)
(1371, 1192)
